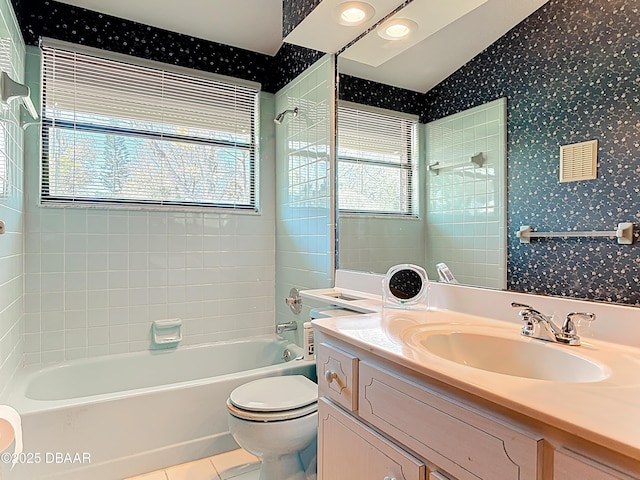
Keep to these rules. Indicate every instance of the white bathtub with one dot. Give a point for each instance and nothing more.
(137, 412)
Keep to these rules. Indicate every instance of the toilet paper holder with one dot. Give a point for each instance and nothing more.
(167, 331)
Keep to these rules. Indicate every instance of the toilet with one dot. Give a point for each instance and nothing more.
(275, 418)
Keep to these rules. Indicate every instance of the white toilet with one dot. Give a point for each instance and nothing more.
(275, 418)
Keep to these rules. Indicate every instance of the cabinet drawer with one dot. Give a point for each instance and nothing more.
(348, 450)
(338, 376)
(464, 443)
(568, 465)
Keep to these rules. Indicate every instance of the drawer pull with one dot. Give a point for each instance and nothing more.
(389, 478)
(330, 376)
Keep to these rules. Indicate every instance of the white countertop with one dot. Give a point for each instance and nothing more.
(606, 412)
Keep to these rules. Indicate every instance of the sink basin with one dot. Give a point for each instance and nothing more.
(508, 354)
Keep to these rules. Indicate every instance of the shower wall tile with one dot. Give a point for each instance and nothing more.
(99, 277)
(304, 190)
(375, 244)
(466, 204)
(12, 318)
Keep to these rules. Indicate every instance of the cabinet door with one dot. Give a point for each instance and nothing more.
(572, 466)
(348, 450)
(458, 439)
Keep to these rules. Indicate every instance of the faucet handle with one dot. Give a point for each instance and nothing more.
(568, 333)
(525, 309)
(569, 326)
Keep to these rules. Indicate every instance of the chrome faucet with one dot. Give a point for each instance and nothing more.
(540, 326)
(287, 326)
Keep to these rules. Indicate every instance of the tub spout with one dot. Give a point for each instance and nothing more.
(285, 327)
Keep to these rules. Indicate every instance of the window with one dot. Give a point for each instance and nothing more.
(116, 132)
(377, 162)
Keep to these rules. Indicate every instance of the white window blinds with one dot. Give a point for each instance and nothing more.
(377, 161)
(127, 133)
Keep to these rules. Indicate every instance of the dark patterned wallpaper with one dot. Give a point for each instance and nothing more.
(358, 90)
(289, 62)
(571, 72)
(85, 27)
(294, 11)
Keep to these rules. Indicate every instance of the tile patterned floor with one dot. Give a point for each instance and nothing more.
(236, 465)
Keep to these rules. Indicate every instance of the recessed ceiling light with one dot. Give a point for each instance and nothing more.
(354, 13)
(397, 28)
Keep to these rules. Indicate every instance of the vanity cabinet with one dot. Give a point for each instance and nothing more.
(461, 441)
(370, 418)
(382, 421)
(352, 451)
(568, 465)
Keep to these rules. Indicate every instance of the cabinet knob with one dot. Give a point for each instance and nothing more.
(389, 478)
(330, 376)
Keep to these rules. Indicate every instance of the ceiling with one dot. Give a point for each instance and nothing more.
(447, 46)
(256, 25)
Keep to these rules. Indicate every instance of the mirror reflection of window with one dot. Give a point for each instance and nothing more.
(377, 161)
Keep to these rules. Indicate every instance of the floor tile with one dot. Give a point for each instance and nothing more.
(198, 470)
(157, 475)
(248, 471)
(233, 459)
(242, 473)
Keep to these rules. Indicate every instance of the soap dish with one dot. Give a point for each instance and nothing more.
(167, 332)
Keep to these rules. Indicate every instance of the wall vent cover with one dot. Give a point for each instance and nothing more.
(579, 161)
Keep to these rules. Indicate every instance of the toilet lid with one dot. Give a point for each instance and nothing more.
(271, 416)
(275, 394)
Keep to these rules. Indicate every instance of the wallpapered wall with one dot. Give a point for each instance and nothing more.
(359, 90)
(571, 73)
(294, 11)
(85, 27)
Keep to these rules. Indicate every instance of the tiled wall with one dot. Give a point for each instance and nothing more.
(466, 204)
(96, 278)
(12, 51)
(374, 244)
(570, 72)
(304, 189)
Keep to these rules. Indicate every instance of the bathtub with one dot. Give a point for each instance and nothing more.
(107, 418)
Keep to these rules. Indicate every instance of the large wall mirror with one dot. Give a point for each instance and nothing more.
(448, 142)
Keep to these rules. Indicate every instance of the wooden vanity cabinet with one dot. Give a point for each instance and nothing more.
(352, 451)
(462, 441)
(379, 421)
(568, 465)
(371, 418)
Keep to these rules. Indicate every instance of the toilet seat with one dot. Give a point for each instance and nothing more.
(274, 399)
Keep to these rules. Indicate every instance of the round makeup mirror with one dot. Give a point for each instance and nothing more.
(405, 286)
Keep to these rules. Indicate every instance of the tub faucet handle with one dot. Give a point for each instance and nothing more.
(286, 327)
(294, 301)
